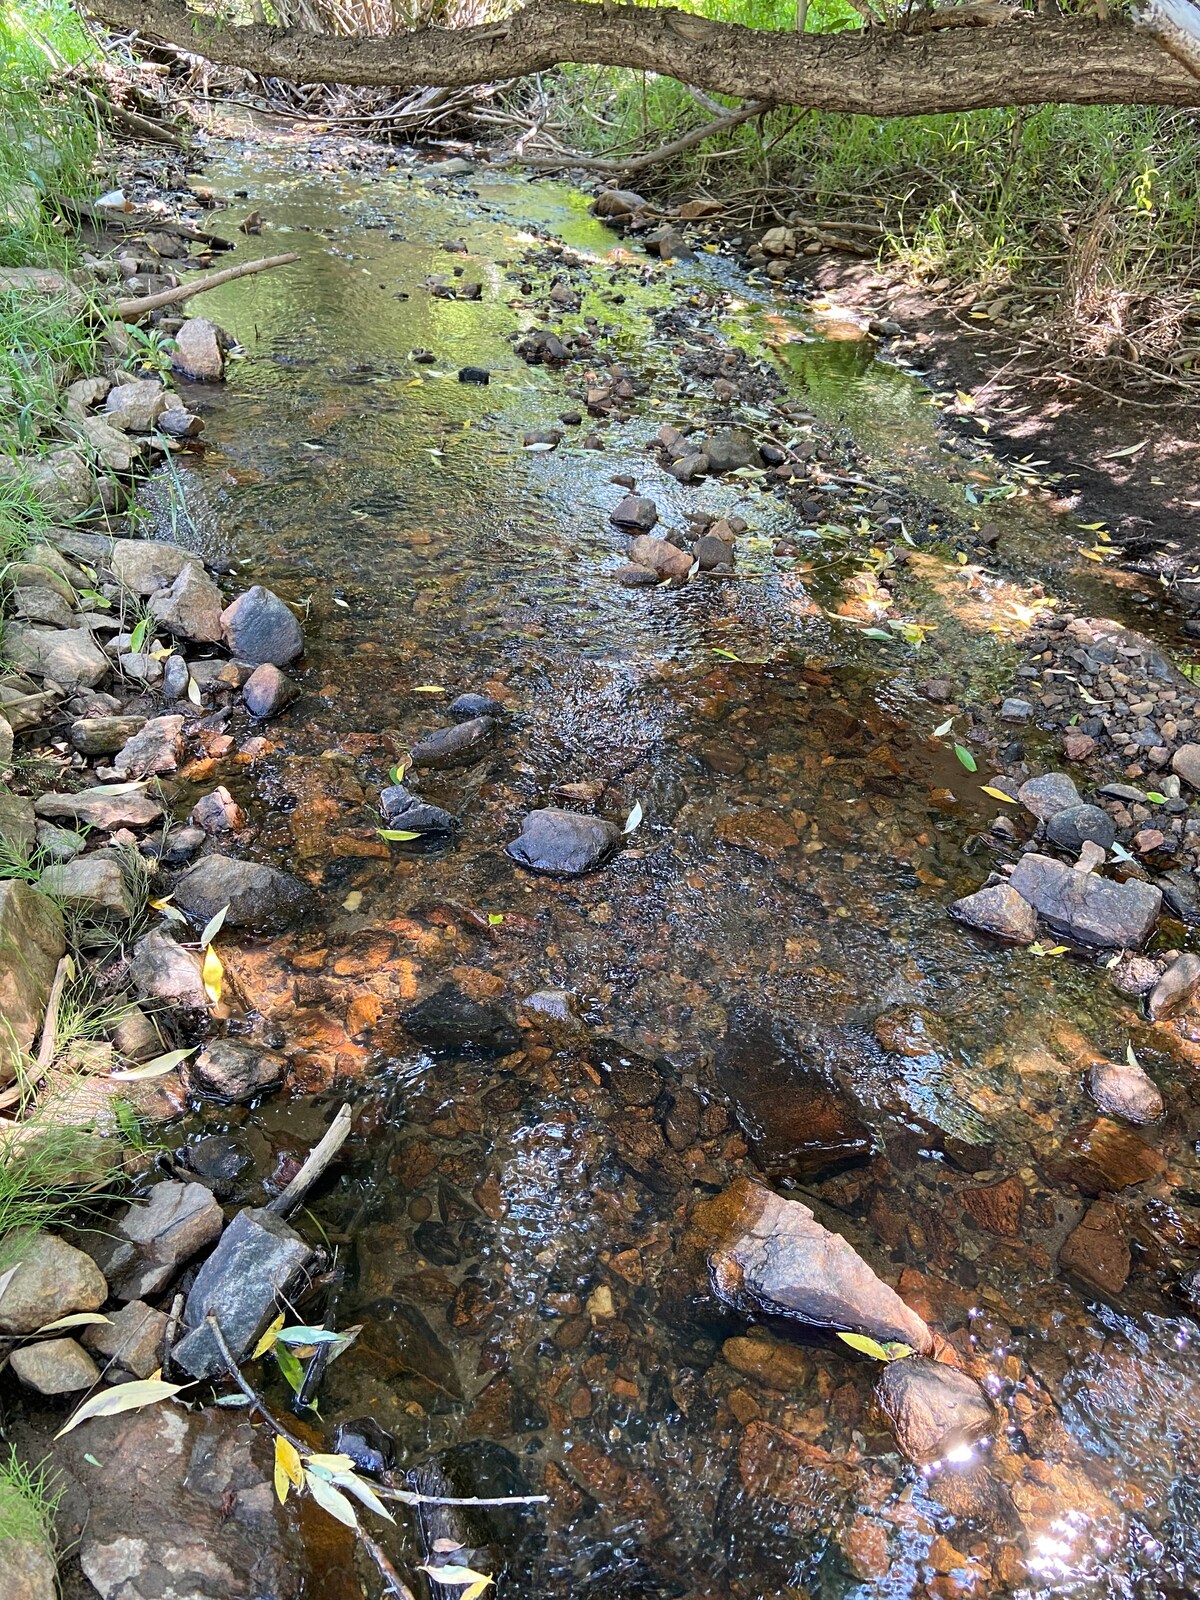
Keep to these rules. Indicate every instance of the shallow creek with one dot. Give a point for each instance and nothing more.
(777, 920)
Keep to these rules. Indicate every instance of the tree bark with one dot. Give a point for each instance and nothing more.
(873, 71)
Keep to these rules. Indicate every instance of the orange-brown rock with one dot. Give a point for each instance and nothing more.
(1096, 1250)
(997, 1207)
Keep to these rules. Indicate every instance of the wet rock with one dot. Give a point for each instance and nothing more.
(219, 1160)
(52, 1280)
(664, 559)
(258, 896)
(95, 883)
(162, 970)
(798, 1121)
(1070, 829)
(55, 1366)
(230, 1069)
(144, 566)
(141, 1251)
(198, 352)
(932, 1409)
(551, 1005)
(469, 706)
(998, 1207)
(1125, 1090)
(1175, 988)
(191, 608)
(66, 656)
(180, 424)
(448, 1019)
(758, 829)
(259, 628)
(132, 1338)
(770, 1255)
(475, 375)
(408, 813)
(1102, 1156)
(563, 843)
(136, 406)
(1134, 975)
(1000, 911)
(99, 808)
(104, 736)
(1185, 763)
(1044, 797)
(371, 1448)
(1096, 1249)
(1091, 909)
(31, 943)
(636, 511)
(243, 1284)
(729, 449)
(771, 1362)
(456, 746)
(633, 576)
(155, 748)
(267, 691)
(712, 552)
(218, 812)
(619, 204)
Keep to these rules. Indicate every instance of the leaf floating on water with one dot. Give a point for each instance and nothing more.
(728, 654)
(471, 1582)
(212, 974)
(331, 1499)
(965, 757)
(338, 601)
(214, 925)
(172, 913)
(396, 835)
(997, 794)
(158, 1068)
(634, 817)
(268, 1339)
(289, 1469)
(301, 1334)
(124, 1397)
(865, 1345)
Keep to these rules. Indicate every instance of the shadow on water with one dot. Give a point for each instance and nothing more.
(766, 967)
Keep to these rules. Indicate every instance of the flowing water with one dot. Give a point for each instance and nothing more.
(773, 939)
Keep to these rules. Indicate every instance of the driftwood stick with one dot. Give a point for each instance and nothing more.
(124, 222)
(45, 1055)
(145, 126)
(650, 158)
(318, 1159)
(410, 1497)
(132, 310)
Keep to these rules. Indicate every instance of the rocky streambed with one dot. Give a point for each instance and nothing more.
(668, 817)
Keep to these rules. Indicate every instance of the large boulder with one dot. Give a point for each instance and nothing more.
(563, 843)
(52, 1280)
(1085, 907)
(258, 628)
(770, 1256)
(933, 1410)
(67, 656)
(31, 943)
(258, 896)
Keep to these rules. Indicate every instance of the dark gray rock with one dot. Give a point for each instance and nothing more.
(476, 375)
(712, 552)
(191, 608)
(469, 706)
(1044, 797)
(409, 813)
(231, 1069)
(448, 1019)
(1000, 911)
(1070, 828)
(731, 448)
(142, 1250)
(932, 1409)
(457, 746)
(258, 896)
(563, 843)
(163, 970)
(244, 1283)
(1015, 709)
(258, 628)
(636, 511)
(634, 576)
(1086, 907)
(268, 691)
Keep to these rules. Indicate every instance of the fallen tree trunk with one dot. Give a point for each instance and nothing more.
(876, 71)
(131, 310)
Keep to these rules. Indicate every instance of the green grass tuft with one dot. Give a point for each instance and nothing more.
(29, 1498)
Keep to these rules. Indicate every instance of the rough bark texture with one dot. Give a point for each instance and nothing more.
(877, 72)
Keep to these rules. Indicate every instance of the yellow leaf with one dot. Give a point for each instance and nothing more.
(997, 794)
(212, 973)
(268, 1338)
(429, 688)
(289, 1469)
(124, 1397)
(868, 1347)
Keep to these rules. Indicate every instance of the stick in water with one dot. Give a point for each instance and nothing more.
(131, 310)
(314, 1166)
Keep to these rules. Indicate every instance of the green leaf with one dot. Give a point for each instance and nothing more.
(878, 633)
(138, 637)
(292, 1371)
(864, 1344)
(495, 918)
(965, 757)
(396, 835)
(1155, 798)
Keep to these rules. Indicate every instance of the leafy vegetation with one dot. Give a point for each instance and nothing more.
(48, 1174)
(29, 1497)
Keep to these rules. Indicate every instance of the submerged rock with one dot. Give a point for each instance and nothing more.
(1083, 906)
(231, 1069)
(1096, 1250)
(1102, 1156)
(1000, 911)
(456, 746)
(563, 843)
(448, 1019)
(469, 706)
(769, 1255)
(1176, 986)
(259, 628)
(932, 1409)
(258, 896)
(242, 1284)
(1125, 1090)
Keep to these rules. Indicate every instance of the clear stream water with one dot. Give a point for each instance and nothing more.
(777, 924)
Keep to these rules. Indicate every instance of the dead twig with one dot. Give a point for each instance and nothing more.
(133, 310)
(316, 1163)
(650, 158)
